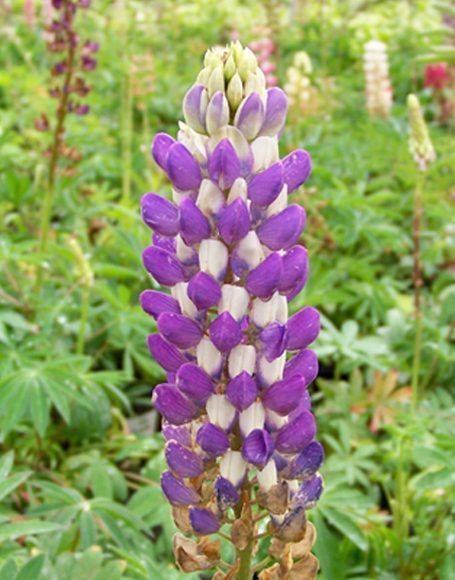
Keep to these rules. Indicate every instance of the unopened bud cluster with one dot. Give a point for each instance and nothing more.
(420, 144)
(236, 410)
(298, 85)
(379, 92)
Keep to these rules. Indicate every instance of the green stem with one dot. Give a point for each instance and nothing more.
(57, 141)
(417, 278)
(83, 321)
(244, 556)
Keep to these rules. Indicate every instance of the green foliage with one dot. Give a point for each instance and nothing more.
(81, 456)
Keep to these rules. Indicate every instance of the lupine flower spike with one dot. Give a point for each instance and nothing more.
(422, 150)
(302, 94)
(420, 144)
(237, 420)
(378, 88)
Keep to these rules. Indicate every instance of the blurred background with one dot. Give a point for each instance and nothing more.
(81, 452)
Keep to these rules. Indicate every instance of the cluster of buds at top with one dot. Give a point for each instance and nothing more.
(264, 49)
(378, 87)
(236, 411)
(298, 83)
(69, 87)
(420, 144)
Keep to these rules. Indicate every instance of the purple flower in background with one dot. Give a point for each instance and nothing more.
(236, 412)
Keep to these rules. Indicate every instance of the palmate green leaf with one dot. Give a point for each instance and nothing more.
(9, 570)
(27, 528)
(6, 463)
(32, 570)
(88, 530)
(8, 485)
(346, 524)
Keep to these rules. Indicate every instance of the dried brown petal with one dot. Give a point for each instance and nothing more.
(191, 556)
(292, 529)
(307, 568)
(302, 548)
(272, 573)
(181, 518)
(276, 499)
(241, 534)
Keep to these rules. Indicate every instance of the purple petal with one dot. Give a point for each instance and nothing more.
(226, 493)
(242, 391)
(163, 266)
(195, 383)
(160, 214)
(257, 448)
(217, 114)
(154, 303)
(193, 223)
(182, 461)
(303, 328)
(235, 221)
(297, 169)
(304, 363)
(212, 439)
(274, 339)
(204, 290)
(265, 187)
(284, 396)
(165, 243)
(304, 405)
(181, 434)
(192, 108)
(176, 491)
(180, 330)
(295, 270)
(160, 149)
(310, 491)
(173, 404)
(224, 165)
(165, 354)
(182, 168)
(297, 434)
(264, 279)
(282, 230)
(275, 112)
(305, 464)
(225, 332)
(250, 116)
(203, 521)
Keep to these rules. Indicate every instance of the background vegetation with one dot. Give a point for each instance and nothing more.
(81, 449)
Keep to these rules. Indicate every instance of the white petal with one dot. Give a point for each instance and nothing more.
(233, 467)
(235, 300)
(275, 421)
(210, 199)
(280, 203)
(271, 372)
(179, 292)
(220, 411)
(281, 308)
(267, 478)
(179, 196)
(250, 250)
(265, 152)
(242, 358)
(239, 189)
(213, 257)
(264, 313)
(252, 418)
(183, 252)
(208, 357)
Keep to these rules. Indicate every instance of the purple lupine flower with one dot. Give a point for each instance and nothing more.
(236, 409)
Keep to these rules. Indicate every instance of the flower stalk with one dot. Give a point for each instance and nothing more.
(237, 420)
(423, 153)
(67, 82)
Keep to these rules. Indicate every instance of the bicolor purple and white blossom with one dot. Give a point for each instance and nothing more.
(235, 403)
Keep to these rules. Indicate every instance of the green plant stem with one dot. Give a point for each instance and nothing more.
(83, 320)
(400, 506)
(244, 557)
(46, 211)
(417, 278)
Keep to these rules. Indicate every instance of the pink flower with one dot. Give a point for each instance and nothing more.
(437, 76)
